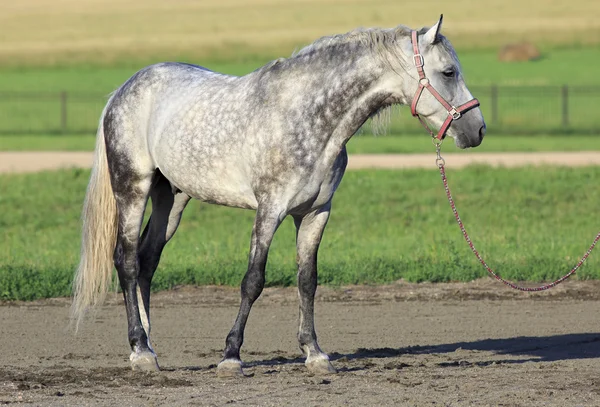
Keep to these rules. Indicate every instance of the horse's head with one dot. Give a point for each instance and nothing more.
(434, 68)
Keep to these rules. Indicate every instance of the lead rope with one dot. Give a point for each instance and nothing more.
(441, 163)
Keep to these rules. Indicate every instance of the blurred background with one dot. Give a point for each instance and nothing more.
(533, 64)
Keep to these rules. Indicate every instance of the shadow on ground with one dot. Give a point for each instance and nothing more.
(526, 348)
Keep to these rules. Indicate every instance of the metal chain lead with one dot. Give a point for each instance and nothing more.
(439, 161)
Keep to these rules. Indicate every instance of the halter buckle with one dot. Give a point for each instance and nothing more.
(418, 60)
(454, 113)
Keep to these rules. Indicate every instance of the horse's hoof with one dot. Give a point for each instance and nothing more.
(320, 366)
(230, 368)
(144, 361)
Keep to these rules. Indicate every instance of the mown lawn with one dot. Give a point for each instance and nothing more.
(530, 224)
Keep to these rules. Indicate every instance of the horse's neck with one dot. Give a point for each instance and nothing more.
(355, 116)
(346, 93)
(353, 95)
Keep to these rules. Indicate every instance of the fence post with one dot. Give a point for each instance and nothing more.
(494, 95)
(63, 111)
(565, 105)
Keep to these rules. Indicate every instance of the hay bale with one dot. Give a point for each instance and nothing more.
(524, 51)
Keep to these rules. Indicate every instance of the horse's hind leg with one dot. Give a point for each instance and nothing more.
(167, 208)
(131, 192)
(309, 231)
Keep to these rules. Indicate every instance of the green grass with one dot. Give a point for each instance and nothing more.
(359, 144)
(555, 67)
(529, 223)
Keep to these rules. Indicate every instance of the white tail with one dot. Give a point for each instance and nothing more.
(99, 234)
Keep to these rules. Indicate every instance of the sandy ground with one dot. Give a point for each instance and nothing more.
(474, 344)
(20, 162)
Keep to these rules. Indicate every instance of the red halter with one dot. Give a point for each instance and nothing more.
(454, 113)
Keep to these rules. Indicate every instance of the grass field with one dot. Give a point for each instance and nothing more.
(531, 224)
(359, 144)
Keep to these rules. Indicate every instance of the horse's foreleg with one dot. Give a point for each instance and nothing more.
(309, 231)
(166, 214)
(266, 223)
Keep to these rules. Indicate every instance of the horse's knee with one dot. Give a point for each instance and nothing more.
(253, 284)
(307, 280)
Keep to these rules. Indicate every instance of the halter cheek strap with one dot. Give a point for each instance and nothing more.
(454, 113)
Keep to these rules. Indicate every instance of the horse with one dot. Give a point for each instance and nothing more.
(272, 141)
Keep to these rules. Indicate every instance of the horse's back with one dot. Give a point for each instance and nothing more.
(217, 138)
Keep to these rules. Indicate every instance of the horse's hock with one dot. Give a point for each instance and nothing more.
(524, 51)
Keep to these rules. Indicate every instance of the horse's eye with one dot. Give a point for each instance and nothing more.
(449, 73)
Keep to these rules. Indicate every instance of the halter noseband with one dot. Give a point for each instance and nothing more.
(454, 113)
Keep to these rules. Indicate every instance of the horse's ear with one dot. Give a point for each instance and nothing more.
(432, 35)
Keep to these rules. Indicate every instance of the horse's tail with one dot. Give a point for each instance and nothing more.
(99, 234)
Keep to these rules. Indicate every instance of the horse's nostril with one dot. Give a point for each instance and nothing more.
(481, 132)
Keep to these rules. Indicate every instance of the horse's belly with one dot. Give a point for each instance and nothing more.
(224, 187)
(223, 196)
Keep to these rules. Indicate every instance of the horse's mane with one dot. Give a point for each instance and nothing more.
(377, 39)
(374, 38)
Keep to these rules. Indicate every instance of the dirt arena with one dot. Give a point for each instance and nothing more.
(475, 344)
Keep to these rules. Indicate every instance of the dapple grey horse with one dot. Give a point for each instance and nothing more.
(272, 141)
